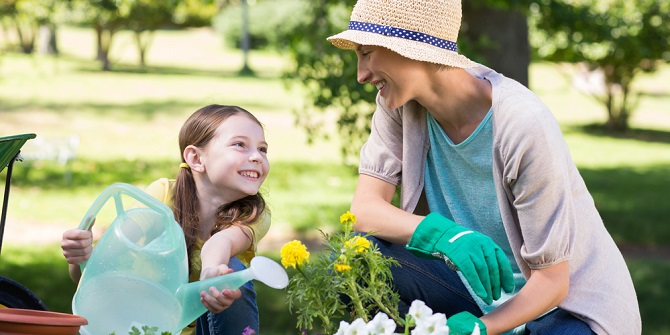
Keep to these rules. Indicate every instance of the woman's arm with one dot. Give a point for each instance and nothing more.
(544, 290)
(375, 213)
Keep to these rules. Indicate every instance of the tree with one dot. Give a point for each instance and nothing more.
(143, 17)
(495, 33)
(27, 15)
(105, 18)
(619, 38)
(329, 75)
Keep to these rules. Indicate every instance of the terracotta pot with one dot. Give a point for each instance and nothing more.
(16, 321)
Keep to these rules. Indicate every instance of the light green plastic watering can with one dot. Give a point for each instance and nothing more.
(137, 274)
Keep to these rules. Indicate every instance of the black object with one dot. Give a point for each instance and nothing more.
(15, 295)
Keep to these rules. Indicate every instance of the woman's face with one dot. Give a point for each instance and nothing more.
(398, 79)
(235, 160)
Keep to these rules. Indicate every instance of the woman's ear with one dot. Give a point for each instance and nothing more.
(193, 156)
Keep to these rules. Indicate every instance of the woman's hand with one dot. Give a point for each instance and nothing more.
(214, 300)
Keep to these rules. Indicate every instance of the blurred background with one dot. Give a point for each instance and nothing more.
(106, 85)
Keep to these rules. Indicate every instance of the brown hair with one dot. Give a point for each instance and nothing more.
(198, 130)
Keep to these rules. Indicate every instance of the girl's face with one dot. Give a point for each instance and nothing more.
(235, 160)
(398, 79)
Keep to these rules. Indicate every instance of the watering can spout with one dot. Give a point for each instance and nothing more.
(261, 268)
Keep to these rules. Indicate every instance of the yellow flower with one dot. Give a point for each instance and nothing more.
(358, 244)
(348, 217)
(339, 267)
(294, 254)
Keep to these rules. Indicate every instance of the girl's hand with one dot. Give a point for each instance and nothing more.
(77, 245)
(214, 300)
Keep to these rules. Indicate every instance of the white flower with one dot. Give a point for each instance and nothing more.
(358, 327)
(344, 326)
(381, 325)
(419, 311)
(435, 324)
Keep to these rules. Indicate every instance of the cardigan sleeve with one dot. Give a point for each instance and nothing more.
(537, 175)
(381, 155)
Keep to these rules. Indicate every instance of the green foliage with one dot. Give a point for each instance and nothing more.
(145, 15)
(146, 330)
(328, 76)
(195, 13)
(621, 38)
(268, 22)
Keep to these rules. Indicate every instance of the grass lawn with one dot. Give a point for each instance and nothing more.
(127, 122)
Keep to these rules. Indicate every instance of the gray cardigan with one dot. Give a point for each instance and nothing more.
(548, 214)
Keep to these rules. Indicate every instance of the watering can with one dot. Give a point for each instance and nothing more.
(137, 274)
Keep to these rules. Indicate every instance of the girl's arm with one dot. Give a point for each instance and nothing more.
(544, 290)
(77, 247)
(223, 245)
(215, 255)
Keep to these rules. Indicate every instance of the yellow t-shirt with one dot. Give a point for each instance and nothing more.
(162, 189)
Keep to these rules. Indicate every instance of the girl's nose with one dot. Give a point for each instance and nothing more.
(255, 156)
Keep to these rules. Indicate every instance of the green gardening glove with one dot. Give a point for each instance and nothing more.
(464, 323)
(482, 262)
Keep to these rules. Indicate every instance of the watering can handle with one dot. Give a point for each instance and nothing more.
(115, 191)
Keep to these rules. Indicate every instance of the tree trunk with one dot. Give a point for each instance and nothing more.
(500, 37)
(245, 42)
(26, 33)
(104, 44)
(47, 43)
(142, 46)
(98, 40)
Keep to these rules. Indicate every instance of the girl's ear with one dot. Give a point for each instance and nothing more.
(193, 156)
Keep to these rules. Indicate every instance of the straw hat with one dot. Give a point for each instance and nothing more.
(424, 30)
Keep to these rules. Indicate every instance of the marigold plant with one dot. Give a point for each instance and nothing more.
(349, 279)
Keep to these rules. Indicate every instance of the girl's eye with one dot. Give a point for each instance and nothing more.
(239, 144)
(263, 149)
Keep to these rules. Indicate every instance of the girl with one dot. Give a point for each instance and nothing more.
(491, 200)
(216, 200)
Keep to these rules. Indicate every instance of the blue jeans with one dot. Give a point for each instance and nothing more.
(241, 314)
(442, 290)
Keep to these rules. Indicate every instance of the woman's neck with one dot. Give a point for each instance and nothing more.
(458, 101)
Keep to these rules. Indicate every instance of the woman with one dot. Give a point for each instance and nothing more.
(486, 182)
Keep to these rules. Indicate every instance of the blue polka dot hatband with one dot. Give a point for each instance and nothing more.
(417, 29)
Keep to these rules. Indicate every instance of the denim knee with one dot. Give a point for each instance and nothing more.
(430, 281)
(558, 322)
(241, 314)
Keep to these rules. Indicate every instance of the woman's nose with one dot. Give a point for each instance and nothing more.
(363, 73)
